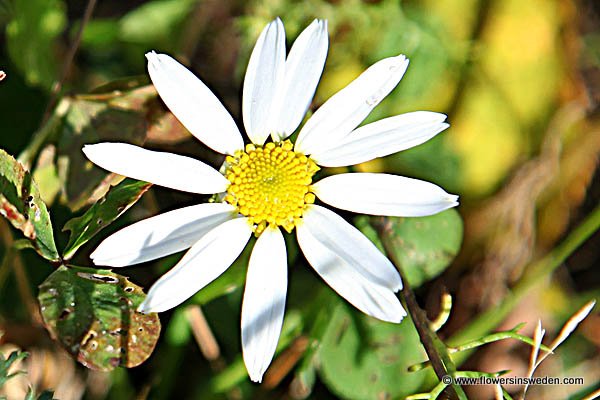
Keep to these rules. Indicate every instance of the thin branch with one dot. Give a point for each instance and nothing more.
(204, 337)
(441, 363)
(47, 124)
(66, 68)
(285, 362)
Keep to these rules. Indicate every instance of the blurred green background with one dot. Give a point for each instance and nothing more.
(520, 84)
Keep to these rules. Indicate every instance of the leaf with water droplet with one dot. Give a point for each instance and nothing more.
(92, 313)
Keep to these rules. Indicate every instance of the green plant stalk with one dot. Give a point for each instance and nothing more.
(44, 134)
(538, 270)
(494, 337)
(177, 336)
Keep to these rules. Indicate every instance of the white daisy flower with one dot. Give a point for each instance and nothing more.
(267, 186)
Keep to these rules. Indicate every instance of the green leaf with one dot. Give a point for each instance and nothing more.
(92, 313)
(46, 175)
(162, 15)
(424, 246)
(100, 34)
(434, 161)
(118, 200)
(178, 332)
(363, 358)
(21, 204)
(6, 363)
(30, 37)
(45, 395)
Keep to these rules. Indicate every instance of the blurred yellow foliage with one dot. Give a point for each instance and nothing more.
(487, 137)
(517, 76)
(519, 54)
(457, 16)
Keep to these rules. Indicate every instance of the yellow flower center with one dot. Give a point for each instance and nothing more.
(270, 184)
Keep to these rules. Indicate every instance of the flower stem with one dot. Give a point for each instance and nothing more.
(436, 350)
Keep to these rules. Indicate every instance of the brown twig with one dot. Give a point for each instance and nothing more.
(417, 314)
(207, 343)
(284, 363)
(56, 88)
(204, 337)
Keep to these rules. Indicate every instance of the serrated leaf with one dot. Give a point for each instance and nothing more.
(93, 120)
(363, 358)
(424, 246)
(121, 111)
(92, 313)
(118, 200)
(21, 204)
(30, 36)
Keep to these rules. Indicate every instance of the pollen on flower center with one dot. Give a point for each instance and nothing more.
(270, 184)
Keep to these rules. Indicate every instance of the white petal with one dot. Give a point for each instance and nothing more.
(383, 194)
(351, 246)
(161, 235)
(303, 69)
(264, 302)
(345, 110)
(381, 138)
(203, 263)
(372, 299)
(263, 76)
(194, 105)
(163, 169)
